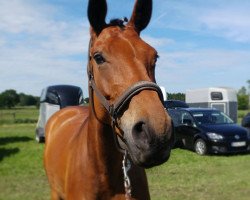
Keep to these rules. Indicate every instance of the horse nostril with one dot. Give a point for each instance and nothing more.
(140, 131)
(138, 127)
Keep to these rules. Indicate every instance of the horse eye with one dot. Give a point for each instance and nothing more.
(99, 58)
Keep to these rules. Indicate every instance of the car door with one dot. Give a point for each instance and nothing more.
(187, 129)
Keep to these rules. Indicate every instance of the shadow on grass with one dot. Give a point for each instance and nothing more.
(231, 154)
(4, 152)
(6, 140)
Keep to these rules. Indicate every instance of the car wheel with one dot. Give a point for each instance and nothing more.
(200, 147)
(40, 139)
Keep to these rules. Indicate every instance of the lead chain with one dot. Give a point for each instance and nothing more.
(126, 165)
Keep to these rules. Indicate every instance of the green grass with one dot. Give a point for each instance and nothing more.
(192, 177)
(241, 114)
(185, 176)
(21, 168)
(18, 115)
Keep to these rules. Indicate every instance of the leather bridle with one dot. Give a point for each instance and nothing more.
(116, 108)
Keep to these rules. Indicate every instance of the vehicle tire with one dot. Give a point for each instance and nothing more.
(40, 139)
(200, 147)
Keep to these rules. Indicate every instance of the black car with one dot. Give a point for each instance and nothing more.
(175, 104)
(207, 130)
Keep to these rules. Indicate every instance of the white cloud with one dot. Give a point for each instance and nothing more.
(157, 42)
(232, 23)
(228, 19)
(38, 47)
(23, 16)
(38, 50)
(182, 70)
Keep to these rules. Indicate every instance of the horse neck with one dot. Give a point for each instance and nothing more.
(102, 144)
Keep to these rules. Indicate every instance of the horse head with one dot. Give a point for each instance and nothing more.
(120, 59)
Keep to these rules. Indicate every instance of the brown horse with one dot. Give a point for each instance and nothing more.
(81, 156)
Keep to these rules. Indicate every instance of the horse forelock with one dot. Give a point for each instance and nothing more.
(118, 22)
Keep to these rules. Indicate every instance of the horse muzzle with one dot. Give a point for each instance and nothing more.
(147, 148)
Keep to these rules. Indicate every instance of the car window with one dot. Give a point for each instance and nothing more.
(181, 117)
(211, 117)
(186, 118)
(52, 98)
(202, 117)
(43, 95)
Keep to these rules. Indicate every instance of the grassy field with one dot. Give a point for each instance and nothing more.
(21, 170)
(186, 175)
(19, 115)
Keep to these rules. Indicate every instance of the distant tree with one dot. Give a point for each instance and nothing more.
(248, 82)
(242, 91)
(176, 96)
(27, 100)
(243, 97)
(243, 102)
(9, 98)
(1, 101)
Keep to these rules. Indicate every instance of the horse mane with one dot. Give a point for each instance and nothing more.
(118, 22)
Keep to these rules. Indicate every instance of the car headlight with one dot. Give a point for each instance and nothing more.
(215, 136)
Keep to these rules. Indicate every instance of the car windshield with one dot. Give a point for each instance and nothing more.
(211, 117)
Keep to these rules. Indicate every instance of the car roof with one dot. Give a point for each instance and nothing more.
(193, 109)
(175, 104)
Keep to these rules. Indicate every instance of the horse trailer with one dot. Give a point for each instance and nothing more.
(164, 93)
(221, 98)
(54, 98)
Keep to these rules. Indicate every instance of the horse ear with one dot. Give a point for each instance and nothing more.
(141, 14)
(97, 10)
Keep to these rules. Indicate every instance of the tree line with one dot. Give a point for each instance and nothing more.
(244, 97)
(10, 98)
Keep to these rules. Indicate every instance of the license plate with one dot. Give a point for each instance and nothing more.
(238, 144)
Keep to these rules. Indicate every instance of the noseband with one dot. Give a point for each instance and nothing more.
(118, 106)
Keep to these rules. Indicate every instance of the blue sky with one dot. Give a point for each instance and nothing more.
(200, 43)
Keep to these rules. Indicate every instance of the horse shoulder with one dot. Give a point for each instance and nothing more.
(61, 129)
(74, 115)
